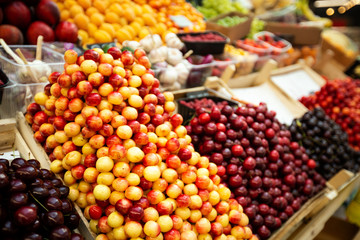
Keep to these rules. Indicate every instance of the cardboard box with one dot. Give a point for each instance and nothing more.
(235, 32)
(297, 34)
(337, 228)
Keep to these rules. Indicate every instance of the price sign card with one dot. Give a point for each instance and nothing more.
(264, 93)
(296, 83)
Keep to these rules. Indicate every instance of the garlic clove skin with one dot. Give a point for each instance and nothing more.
(173, 41)
(158, 54)
(174, 56)
(168, 76)
(131, 44)
(183, 72)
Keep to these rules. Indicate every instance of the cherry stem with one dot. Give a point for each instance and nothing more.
(38, 202)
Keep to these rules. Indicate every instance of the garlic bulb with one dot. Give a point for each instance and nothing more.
(158, 54)
(168, 76)
(151, 42)
(173, 41)
(176, 86)
(40, 71)
(174, 56)
(131, 44)
(183, 72)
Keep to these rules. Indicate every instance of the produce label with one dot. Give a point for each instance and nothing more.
(181, 21)
(296, 83)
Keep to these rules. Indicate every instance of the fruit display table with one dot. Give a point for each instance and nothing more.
(148, 121)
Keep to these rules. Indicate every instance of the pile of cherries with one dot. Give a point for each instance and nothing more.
(269, 175)
(34, 204)
(340, 100)
(326, 142)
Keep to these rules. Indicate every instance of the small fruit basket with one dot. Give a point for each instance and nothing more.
(37, 70)
(277, 44)
(244, 61)
(202, 43)
(234, 25)
(257, 47)
(16, 96)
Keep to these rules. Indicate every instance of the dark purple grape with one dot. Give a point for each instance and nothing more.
(18, 199)
(60, 233)
(40, 192)
(35, 163)
(26, 173)
(53, 203)
(17, 163)
(54, 218)
(25, 216)
(17, 185)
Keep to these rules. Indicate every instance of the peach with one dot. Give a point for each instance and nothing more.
(38, 28)
(17, 14)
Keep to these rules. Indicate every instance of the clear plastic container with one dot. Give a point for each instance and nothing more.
(198, 74)
(256, 50)
(16, 97)
(244, 64)
(54, 61)
(275, 50)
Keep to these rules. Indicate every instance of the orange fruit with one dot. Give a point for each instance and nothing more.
(101, 5)
(85, 3)
(90, 11)
(75, 10)
(111, 17)
(102, 36)
(97, 19)
(82, 21)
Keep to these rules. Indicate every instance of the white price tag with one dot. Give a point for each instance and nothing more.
(264, 93)
(181, 21)
(296, 83)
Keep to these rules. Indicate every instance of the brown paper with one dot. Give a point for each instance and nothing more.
(301, 35)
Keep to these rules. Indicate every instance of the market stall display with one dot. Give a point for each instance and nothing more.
(270, 176)
(175, 119)
(131, 141)
(102, 21)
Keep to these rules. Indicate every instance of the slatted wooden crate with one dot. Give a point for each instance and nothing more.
(40, 154)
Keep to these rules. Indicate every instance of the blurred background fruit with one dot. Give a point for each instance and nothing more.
(104, 21)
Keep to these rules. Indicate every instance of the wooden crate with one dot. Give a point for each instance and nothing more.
(312, 208)
(312, 225)
(40, 154)
(11, 140)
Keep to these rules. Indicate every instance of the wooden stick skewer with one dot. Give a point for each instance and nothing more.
(39, 47)
(188, 53)
(28, 68)
(10, 52)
